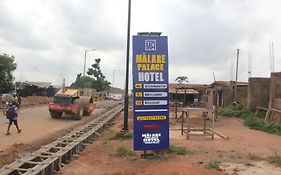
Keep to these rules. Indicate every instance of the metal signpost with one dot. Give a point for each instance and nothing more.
(151, 92)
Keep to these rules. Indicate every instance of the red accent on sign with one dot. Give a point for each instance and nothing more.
(151, 127)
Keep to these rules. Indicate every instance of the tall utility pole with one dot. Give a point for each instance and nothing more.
(271, 57)
(126, 99)
(237, 61)
(114, 76)
(250, 65)
(85, 58)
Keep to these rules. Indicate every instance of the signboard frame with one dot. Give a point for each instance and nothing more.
(150, 92)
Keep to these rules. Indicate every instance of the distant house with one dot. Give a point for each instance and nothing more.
(29, 88)
(222, 93)
(187, 94)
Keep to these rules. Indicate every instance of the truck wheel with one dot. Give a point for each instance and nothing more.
(55, 114)
(79, 113)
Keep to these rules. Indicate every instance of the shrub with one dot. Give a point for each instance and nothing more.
(119, 136)
(236, 110)
(213, 164)
(178, 150)
(275, 159)
(123, 151)
(252, 121)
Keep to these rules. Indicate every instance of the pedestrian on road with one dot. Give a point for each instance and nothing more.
(15, 99)
(12, 115)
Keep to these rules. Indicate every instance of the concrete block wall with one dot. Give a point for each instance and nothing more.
(275, 97)
(258, 93)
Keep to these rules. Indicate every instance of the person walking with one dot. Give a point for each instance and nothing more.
(12, 115)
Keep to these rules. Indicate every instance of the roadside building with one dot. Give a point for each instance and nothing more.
(28, 88)
(187, 94)
(222, 93)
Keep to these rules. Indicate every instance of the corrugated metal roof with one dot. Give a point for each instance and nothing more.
(189, 86)
(182, 91)
(38, 84)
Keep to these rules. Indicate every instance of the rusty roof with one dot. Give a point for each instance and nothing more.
(182, 91)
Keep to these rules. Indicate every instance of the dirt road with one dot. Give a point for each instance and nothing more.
(38, 128)
(245, 153)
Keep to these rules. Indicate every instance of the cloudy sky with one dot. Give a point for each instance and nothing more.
(48, 37)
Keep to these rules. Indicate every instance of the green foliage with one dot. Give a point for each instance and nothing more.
(178, 150)
(123, 151)
(80, 80)
(95, 78)
(259, 124)
(110, 136)
(275, 159)
(181, 79)
(156, 156)
(213, 164)
(234, 110)
(100, 83)
(119, 136)
(124, 135)
(7, 66)
(252, 121)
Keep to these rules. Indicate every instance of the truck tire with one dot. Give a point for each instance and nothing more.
(79, 113)
(55, 114)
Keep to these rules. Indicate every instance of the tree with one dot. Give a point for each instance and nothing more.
(181, 79)
(7, 66)
(80, 80)
(95, 79)
(100, 83)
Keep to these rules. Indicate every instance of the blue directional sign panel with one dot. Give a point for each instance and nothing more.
(151, 92)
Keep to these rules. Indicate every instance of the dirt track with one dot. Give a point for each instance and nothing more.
(38, 128)
(100, 158)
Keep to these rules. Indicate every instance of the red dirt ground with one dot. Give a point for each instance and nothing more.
(100, 157)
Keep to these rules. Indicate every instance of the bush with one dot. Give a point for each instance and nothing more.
(178, 150)
(275, 159)
(119, 136)
(122, 151)
(234, 110)
(124, 135)
(259, 124)
(252, 121)
(213, 164)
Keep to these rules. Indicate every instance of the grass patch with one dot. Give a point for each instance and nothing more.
(124, 135)
(123, 151)
(275, 159)
(259, 124)
(234, 110)
(156, 155)
(179, 150)
(164, 154)
(213, 164)
(119, 136)
(250, 120)
(110, 136)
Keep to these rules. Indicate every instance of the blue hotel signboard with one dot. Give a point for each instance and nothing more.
(151, 92)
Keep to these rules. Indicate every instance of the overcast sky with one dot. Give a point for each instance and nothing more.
(48, 37)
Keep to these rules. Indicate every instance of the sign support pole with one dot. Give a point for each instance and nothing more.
(126, 99)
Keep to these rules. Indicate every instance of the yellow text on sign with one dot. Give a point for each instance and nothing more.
(138, 102)
(138, 86)
(151, 117)
(138, 94)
